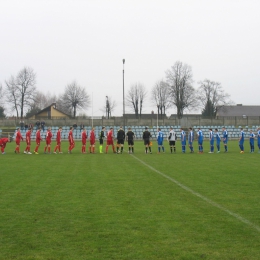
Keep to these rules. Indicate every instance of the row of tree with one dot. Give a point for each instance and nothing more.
(178, 91)
(22, 96)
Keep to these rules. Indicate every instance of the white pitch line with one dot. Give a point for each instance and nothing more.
(212, 203)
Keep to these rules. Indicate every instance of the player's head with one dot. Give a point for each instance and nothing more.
(146, 128)
(251, 131)
(223, 128)
(18, 129)
(129, 128)
(190, 129)
(216, 130)
(171, 128)
(60, 128)
(159, 129)
(210, 129)
(103, 128)
(241, 129)
(71, 128)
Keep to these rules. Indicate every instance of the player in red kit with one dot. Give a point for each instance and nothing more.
(48, 141)
(18, 138)
(110, 140)
(92, 140)
(71, 140)
(58, 140)
(84, 137)
(28, 142)
(38, 140)
(3, 142)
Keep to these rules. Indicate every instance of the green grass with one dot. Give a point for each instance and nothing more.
(110, 206)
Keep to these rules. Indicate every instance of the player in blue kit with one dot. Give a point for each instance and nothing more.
(252, 141)
(241, 140)
(200, 140)
(217, 135)
(191, 139)
(211, 140)
(258, 139)
(160, 140)
(225, 138)
(183, 140)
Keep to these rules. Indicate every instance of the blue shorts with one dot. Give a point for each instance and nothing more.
(211, 142)
(190, 143)
(200, 142)
(160, 142)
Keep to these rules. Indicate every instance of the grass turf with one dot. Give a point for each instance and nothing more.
(113, 206)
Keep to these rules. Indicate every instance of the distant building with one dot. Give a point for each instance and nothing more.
(239, 110)
(50, 112)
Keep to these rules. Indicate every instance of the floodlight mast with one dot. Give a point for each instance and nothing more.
(124, 93)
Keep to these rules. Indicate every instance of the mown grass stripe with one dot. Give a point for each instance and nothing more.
(212, 203)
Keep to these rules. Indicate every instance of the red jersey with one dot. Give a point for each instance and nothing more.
(38, 136)
(28, 137)
(58, 137)
(92, 135)
(84, 137)
(70, 137)
(110, 135)
(18, 137)
(48, 136)
(3, 141)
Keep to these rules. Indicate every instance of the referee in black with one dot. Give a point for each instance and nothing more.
(146, 137)
(130, 139)
(120, 140)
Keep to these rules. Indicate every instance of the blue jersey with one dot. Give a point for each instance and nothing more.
(217, 137)
(183, 136)
(242, 137)
(251, 138)
(160, 137)
(225, 135)
(200, 136)
(191, 137)
(211, 136)
(258, 136)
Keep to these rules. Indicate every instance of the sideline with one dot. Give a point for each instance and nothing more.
(212, 203)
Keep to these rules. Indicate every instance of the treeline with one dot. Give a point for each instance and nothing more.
(176, 91)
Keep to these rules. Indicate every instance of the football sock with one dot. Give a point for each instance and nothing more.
(163, 148)
(132, 149)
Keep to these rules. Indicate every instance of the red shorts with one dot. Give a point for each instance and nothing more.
(58, 143)
(48, 142)
(84, 142)
(28, 143)
(109, 142)
(92, 142)
(17, 142)
(38, 142)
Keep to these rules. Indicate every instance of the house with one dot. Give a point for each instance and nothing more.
(239, 110)
(50, 112)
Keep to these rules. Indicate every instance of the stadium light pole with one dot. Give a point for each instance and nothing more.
(124, 93)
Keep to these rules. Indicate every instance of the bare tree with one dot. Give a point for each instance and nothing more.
(109, 107)
(160, 96)
(21, 90)
(211, 95)
(42, 100)
(2, 114)
(179, 80)
(74, 98)
(12, 95)
(135, 98)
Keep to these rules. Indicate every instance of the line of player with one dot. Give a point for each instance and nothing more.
(129, 137)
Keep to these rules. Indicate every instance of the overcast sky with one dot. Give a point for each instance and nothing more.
(86, 40)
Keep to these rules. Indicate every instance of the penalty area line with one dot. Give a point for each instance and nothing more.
(212, 203)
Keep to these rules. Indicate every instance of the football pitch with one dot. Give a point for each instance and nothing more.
(130, 206)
